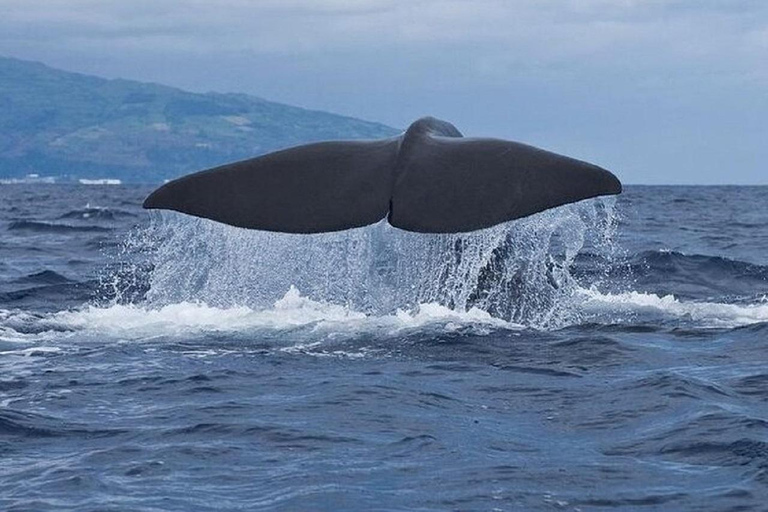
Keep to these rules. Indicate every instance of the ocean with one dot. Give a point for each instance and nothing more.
(611, 354)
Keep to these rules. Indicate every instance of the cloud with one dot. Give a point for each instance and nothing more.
(558, 70)
(495, 38)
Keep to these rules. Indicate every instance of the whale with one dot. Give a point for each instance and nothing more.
(429, 179)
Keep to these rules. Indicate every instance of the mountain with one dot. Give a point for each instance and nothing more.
(54, 122)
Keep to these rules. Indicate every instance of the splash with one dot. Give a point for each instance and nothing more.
(518, 272)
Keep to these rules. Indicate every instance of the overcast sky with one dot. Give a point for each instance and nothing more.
(660, 91)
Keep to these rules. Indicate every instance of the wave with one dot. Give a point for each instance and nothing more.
(652, 308)
(30, 425)
(309, 320)
(51, 227)
(697, 274)
(42, 277)
(663, 262)
(42, 291)
(716, 436)
(293, 312)
(97, 213)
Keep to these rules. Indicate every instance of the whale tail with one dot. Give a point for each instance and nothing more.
(428, 180)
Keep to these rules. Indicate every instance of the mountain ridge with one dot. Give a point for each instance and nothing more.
(74, 125)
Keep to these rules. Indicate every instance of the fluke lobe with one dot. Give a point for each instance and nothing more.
(430, 179)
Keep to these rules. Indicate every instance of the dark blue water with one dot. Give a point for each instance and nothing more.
(598, 356)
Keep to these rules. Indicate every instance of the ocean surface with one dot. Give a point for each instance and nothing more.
(611, 354)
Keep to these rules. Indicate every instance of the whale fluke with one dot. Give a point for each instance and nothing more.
(430, 180)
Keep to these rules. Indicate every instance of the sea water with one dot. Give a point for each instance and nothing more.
(606, 354)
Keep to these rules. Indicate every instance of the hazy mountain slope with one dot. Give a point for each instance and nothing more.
(54, 122)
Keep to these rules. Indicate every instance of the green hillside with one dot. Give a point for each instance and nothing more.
(54, 122)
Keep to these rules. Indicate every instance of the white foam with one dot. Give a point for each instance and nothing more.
(311, 320)
(700, 314)
(100, 181)
(31, 351)
(291, 311)
(29, 179)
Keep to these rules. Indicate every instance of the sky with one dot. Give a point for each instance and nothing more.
(658, 91)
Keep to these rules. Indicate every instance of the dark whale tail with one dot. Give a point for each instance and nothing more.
(429, 180)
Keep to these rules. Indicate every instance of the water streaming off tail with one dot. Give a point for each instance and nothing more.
(518, 271)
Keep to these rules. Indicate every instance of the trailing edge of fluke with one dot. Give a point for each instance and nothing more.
(430, 179)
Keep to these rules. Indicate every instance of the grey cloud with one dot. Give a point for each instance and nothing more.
(620, 78)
